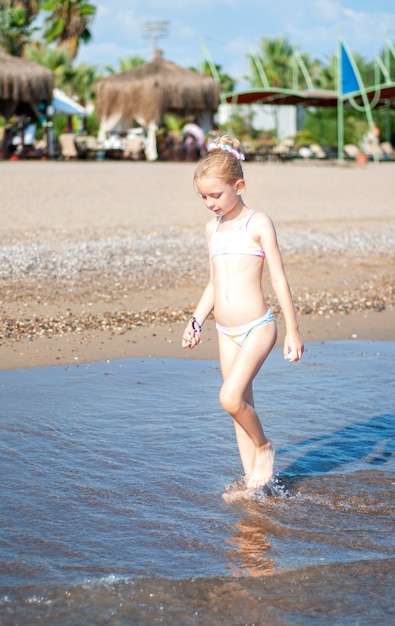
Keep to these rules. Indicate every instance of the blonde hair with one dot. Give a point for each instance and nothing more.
(222, 161)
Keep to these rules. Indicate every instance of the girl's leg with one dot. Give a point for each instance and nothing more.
(228, 350)
(239, 367)
(244, 443)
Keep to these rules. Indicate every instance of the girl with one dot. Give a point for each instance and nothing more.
(239, 239)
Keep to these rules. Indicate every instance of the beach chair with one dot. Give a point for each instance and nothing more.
(351, 151)
(86, 146)
(318, 151)
(249, 151)
(68, 148)
(134, 148)
(388, 153)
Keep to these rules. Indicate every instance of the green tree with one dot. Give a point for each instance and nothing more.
(76, 80)
(273, 65)
(241, 125)
(83, 82)
(366, 70)
(227, 83)
(387, 56)
(31, 7)
(275, 57)
(322, 122)
(326, 77)
(314, 68)
(56, 60)
(16, 24)
(68, 23)
(125, 64)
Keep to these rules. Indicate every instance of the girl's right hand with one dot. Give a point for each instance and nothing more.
(191, 335)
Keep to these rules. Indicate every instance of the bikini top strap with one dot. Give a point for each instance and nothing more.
(249, 216)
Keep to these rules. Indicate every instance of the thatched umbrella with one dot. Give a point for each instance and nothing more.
(23, 84)
(146, 92)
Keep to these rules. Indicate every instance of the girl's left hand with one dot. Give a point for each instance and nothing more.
(293, 346)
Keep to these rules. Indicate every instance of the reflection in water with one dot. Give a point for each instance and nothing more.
(249, 557)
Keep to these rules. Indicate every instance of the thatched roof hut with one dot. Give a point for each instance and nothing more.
(146, 92)
(23, 84)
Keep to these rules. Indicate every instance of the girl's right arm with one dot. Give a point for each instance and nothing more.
(192, 333)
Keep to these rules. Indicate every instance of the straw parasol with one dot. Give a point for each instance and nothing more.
(23, 84)
(146, 92)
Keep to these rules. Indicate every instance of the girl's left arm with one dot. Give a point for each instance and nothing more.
(293, 342)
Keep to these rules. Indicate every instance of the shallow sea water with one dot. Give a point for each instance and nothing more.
(111, 508)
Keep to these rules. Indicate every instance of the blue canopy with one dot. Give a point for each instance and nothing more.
(62, 103)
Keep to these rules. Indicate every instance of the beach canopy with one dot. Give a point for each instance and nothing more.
(146, 92)
(279, 96)
(23, 85)
(350, 91)
(378, 96)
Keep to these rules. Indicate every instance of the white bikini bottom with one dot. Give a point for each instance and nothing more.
(238, 334)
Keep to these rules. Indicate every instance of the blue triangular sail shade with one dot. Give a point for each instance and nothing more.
(349, 79)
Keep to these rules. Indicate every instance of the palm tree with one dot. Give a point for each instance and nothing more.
(125, 64)
(31, 7)
(276, 59)
(314, 68)
(273, 67)
(326, 76)
(56, 60)
(227, 83)
(84, 81)
(16, 18)
(366, 69)
(68, 23)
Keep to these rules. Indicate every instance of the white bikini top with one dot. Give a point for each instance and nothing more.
(235, 241)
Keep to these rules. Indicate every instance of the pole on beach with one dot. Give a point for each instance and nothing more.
(340, 123)
(350, 86)
(49, 128)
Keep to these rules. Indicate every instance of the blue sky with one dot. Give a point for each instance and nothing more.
(232, 28)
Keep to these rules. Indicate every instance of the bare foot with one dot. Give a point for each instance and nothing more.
(263, 467)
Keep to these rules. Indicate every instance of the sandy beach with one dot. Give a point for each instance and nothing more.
(104, 260)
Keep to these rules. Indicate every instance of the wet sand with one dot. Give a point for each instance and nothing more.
(104, 260)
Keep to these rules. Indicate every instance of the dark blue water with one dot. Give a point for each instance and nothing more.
(111, 508)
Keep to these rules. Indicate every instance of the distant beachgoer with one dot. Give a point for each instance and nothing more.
(239, 239)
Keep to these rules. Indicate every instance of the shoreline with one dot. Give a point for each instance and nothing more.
(107, 260)
(165, 341)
